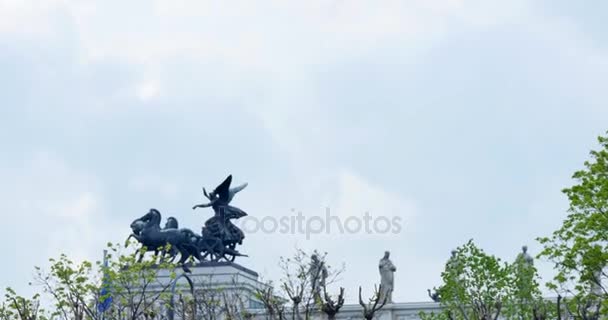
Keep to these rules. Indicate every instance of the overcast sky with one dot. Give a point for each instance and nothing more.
(464, 118)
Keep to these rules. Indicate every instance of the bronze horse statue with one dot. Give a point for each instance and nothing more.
(138, 225)
(148, 232)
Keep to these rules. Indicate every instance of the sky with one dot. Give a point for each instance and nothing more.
(462, 118)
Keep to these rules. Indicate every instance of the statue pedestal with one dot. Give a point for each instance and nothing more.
(221, 281)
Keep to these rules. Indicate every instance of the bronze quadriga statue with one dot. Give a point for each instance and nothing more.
(217, 241)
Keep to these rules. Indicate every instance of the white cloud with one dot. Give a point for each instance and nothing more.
(28, 18)
(266, 34)
(79, 208)
(148, 90)
(81, 233)
(154, 185)
(357, 196)
(53, 209)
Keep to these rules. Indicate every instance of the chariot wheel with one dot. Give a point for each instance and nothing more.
(229, 257)
(215, 257)
(212, 256)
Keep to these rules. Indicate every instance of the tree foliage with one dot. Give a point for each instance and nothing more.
(526, 300)
(478, 286)
(579, 248)
(475, 284)
(74, 289)
(18, 307)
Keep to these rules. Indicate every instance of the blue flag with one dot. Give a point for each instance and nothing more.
(105, 297)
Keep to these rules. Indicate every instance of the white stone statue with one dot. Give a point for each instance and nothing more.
(318, 275)
(387, 270)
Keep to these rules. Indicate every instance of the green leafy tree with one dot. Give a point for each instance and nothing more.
(526, 300)
(579, 248)
(70, 286)
(435, 316)
(475, 285)
(136, 289)
(137, 292)
(479, 286)
(17, 307)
